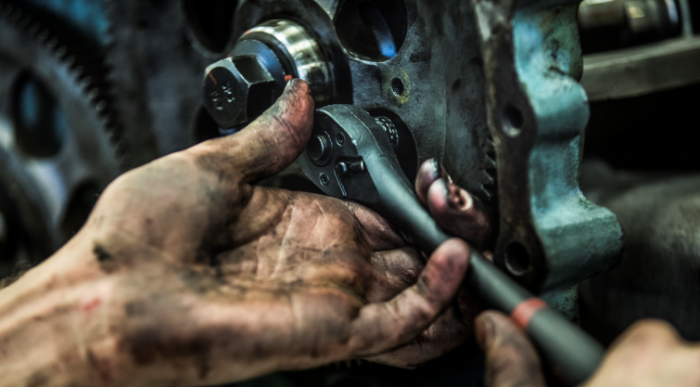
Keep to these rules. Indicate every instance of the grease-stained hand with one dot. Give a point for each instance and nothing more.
(648, 354)
(187, 273)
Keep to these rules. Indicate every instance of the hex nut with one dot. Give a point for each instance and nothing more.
(237, 90)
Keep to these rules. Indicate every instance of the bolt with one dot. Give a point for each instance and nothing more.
(320, 149)
(345, 169)
(342, 169)
(324, 179)
(238, 89)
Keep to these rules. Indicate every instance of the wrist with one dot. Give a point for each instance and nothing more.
(54, 324)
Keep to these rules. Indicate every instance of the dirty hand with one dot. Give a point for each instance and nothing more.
(649, 354)
(187, 274)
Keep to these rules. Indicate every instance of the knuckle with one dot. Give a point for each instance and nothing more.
(648, 338)
(409, 276)
(652, 330)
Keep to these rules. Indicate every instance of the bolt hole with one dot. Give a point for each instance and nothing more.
(397, 87)
(324, 179)
(340, 139)
(40, 124)
(372, 29)
(517, 259)
(211, 22)
(513, 120)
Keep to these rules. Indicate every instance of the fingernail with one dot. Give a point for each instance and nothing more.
(454, 196)
(436, 169)
(484, 331)
(442, 173)
(448, 194)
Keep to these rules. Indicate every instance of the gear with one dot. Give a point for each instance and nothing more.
(60, 142)
(156, 76)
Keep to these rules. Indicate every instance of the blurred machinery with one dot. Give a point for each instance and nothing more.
(92, 88)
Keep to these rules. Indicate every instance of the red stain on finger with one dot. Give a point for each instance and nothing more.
(90, 306)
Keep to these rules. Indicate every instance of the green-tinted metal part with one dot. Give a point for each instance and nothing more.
(579, 238)
(537, 115)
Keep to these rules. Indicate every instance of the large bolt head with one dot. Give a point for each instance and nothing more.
(237, 90)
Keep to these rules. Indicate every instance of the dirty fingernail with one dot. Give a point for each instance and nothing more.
(442, 172)
(448, 194)
(435, 169)
(290, 84)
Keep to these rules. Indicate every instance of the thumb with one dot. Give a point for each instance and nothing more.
(511, 359)
(270, 143)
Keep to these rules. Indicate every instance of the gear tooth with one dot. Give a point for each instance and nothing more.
(70, 60)
(80, 71)
(115, 131)
(97, 81)
(89, 69)
(489, 179)
(101, 106)
(121, 148)
(125, 162)
(109, 118)
(114, 136)
(34, 29)
(62, 51)
(94, 93)
(43, 35)
(86, 82)
(52, 43)
(490, 169)
(487, 193)
(490, 163)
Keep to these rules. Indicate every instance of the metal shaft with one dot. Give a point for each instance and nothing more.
(572, 354)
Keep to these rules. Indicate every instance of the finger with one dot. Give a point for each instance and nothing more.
(511, 359)
(647, 333)
(445, 334)
(270, 143)
(382, 326)
(375, 231)
(649, 353)
(394, 271)
(640, 347)
(459, 213)
(429, 171)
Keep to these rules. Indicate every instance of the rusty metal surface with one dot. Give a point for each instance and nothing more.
(537, 114)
